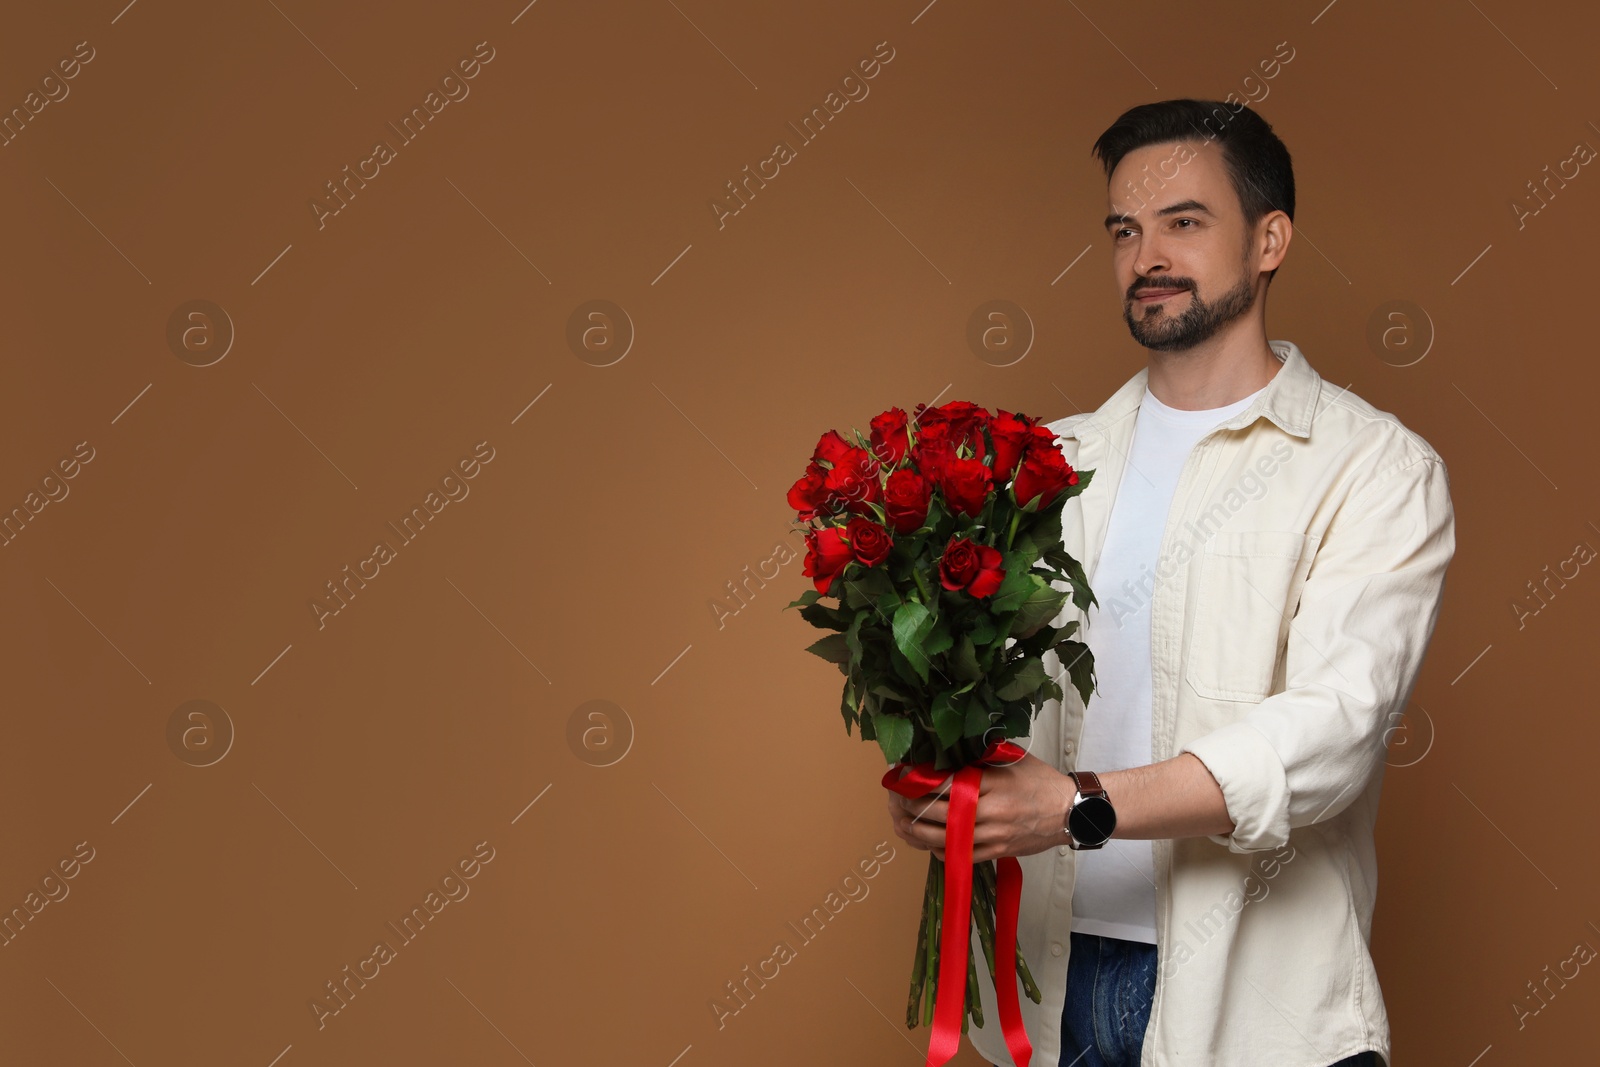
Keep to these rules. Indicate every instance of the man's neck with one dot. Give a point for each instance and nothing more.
(1212, 375)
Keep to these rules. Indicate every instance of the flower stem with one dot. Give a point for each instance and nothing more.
(974, 1000)
(989, 877)
(920, 961)
(928, 600)
(928, 1001)
(1028, 985)
(983, 909)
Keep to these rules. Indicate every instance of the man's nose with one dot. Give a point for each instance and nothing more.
(1152, 259)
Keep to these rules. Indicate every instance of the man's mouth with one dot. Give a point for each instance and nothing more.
(1152, 296)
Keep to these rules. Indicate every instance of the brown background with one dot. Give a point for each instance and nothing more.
(370, 355)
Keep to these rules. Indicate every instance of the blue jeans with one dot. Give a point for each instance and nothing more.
(1110, 986)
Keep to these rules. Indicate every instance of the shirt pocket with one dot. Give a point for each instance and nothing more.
(1249, 589)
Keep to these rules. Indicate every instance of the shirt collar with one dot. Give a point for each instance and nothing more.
(1288, 401)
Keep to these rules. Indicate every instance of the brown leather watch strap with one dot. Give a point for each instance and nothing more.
(1088, 783)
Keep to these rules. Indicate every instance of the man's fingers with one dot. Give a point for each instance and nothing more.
(921, 835)
(929, 809)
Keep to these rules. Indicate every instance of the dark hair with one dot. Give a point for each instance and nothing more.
(1256, 160)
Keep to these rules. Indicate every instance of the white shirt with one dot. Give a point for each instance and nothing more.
(1303, 563)
(1115, 891)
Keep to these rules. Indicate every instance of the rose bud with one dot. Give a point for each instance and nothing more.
(889, 439)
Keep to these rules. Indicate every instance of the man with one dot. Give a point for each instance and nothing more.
(1268, 553)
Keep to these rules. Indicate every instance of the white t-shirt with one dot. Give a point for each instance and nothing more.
(1115, 892)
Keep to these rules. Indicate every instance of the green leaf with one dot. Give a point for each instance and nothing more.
(852, 636)
(949, 715)
(1055, 574)
(825, 617)
(906, 672)
(983, 630)
(1003, 631)
(1035, 644)
(831, 648)
(912, 622)
(892, 603)
(964, 663)
(1041, 605)
(874, 582)
(1023, 681)
(893, 734)
(853, 596)
(1044, 532)
(1084, 478)
(809, 597)
(1017, 719)
(1018, 583)
(939, 639)
(980, 716)
(1079, 662)
(1082, 595)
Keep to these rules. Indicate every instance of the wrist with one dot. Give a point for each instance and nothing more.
(1069, 788)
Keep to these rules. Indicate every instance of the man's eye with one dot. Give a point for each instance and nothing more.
(1184, 220)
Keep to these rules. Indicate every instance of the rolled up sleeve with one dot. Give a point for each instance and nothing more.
(1355, 645)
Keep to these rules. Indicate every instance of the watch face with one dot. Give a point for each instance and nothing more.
(1092, 821)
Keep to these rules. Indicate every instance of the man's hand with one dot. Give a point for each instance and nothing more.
(1022, 809)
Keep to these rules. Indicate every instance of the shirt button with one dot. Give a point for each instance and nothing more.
(1056, 949)
(1066, 749)
(1063, 849)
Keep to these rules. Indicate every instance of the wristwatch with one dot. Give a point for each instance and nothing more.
(1090, 816)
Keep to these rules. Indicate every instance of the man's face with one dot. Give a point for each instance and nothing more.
(1180, 251)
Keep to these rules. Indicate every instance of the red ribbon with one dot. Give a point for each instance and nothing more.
(955, 934)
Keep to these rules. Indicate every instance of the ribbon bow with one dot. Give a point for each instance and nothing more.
(956, 918)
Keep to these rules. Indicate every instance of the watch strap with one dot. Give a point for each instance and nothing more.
(1088, 783)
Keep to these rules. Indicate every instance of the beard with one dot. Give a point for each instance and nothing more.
(1158, 329)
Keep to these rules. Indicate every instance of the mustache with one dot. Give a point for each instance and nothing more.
(1159, 283)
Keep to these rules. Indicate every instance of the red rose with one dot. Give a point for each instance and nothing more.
(809, 495)
(933, 450)
(889, 439)
(826, 555)
(964, 419)
(970, 566)
(965, 484)
(830, 447)
(854, 480)
(1043, 473)
(905, 499)
(1011, 433)
(818, 490)
(869, 541)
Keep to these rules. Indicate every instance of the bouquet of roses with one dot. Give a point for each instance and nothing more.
(940, 536)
